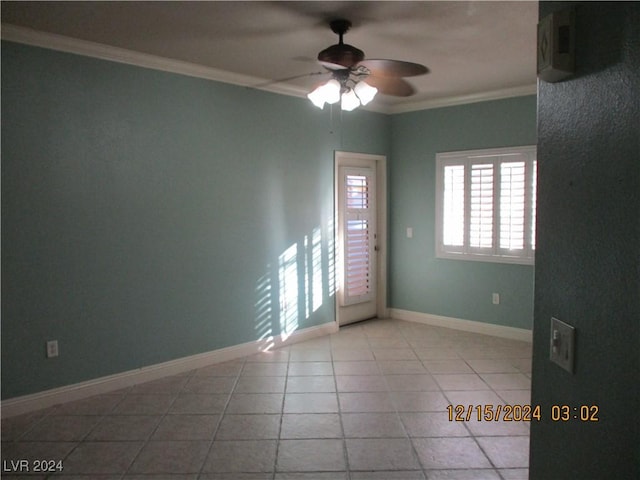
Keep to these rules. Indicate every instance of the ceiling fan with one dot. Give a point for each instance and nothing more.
(349, 70)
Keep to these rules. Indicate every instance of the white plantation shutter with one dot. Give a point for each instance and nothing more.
(357, 258)
(485, 205)
(453, 208)
(358, 237)
(357, 194)
(512, 205)
(481, 207)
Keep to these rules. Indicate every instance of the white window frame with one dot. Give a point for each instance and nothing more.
(496, 156)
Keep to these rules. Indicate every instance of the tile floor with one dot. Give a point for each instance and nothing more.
(369, 402)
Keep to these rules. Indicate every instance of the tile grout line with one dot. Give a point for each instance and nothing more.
(148, 439)
(345, 452)
(222, 414)
(284, 397)
(168, 413)
(411, 442)
(83, 439)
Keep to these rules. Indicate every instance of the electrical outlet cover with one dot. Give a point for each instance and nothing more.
(562, 344)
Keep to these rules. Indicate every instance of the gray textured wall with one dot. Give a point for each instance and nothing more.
(588, 257)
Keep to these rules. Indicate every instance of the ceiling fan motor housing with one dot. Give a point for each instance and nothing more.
(341, 54)
(344, 62)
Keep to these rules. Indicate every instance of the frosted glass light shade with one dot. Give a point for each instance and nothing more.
(316, 97)
(365, 92)
(331, 91)
(350, 101)
(327, 93)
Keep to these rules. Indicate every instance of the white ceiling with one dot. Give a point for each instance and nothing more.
(475, 50)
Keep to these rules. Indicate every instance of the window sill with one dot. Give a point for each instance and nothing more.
(478, 257)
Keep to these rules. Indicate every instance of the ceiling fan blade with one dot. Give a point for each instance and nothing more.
(393, 68)
(332, 66)
(394, 86)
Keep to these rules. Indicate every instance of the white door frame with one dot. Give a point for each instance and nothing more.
(342, 159)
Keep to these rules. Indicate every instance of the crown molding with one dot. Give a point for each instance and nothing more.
(511, 92)
(101, 51)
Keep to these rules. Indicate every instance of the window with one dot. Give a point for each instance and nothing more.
(486, 205)
(358, 228)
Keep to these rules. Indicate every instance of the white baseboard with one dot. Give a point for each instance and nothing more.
(465, 325)
(36, 401)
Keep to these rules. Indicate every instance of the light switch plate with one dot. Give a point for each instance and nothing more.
(52, 348)
(562, 344)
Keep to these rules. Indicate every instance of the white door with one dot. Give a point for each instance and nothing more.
(357, 243)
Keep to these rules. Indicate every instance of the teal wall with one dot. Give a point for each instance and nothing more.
(144, 213)
(418, 281)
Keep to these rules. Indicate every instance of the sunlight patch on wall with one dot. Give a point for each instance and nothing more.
(313, 287)
(264, 313)
(331, 247)
(308, 272)
(316, 267)
(292, 291)
(288, 287)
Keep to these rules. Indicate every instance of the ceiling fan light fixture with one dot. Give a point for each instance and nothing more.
(365, 92)
(326, 93)
(350, 98)
(316, 97)
(331, 91)
(348, 68)
(350, 101)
